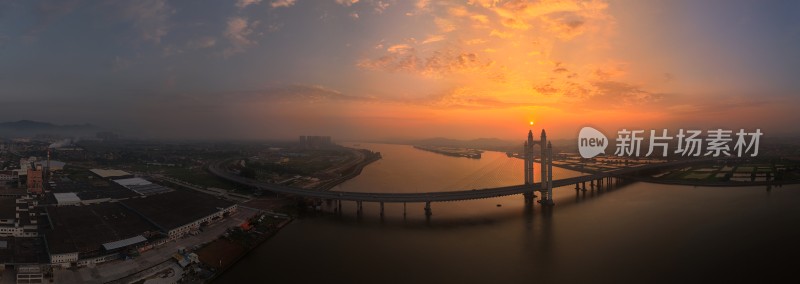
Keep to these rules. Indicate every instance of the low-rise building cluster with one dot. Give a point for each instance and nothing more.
(87, 217)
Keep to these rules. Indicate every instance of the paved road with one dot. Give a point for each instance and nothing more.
(217, 170)
(121, 268)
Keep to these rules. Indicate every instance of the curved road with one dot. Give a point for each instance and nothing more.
(215, 169)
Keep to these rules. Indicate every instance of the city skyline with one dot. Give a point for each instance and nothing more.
(388, 69)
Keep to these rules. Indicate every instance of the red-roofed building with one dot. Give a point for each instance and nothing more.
(35, 181)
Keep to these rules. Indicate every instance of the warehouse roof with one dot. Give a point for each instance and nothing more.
(85, 229)
(174, 209)
(68, 198)
(124, 243)
(109, 173)
(142, 186)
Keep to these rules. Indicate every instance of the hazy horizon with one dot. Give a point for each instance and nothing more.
(368, 70)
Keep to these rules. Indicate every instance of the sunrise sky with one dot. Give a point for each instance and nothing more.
(391, 69)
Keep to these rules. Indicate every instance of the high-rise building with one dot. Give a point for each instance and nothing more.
(315, 142)
(35, 180)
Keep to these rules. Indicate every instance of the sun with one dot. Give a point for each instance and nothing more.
(530, 122)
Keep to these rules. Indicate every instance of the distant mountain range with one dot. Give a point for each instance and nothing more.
(35, 125)
(23, 128)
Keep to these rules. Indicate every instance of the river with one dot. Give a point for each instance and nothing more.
(634, 233)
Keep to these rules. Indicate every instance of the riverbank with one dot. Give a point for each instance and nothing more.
(223, 253)
(367, 157)
(719, 229)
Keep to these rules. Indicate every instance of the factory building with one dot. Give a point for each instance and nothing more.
(179, 213)
(111, 174)
(18, 217)
(84, 235)
(97, 233)
(7, 176)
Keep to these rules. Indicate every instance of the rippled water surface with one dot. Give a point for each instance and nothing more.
(634, 233)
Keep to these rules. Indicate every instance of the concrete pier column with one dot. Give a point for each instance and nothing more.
(359, 208)
(529, 197)
(428, 208)
(381, 209)
(591, 183)
(544, 159)
(549, 175)
(404, 209)
(577, 187)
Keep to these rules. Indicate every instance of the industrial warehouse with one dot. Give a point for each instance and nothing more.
(96, 217)
(180, 212)
(92, 234)
(85, 232)
(154, 214)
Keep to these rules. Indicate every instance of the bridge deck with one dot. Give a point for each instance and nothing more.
(433, 196)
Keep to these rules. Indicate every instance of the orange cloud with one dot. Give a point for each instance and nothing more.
(507, 58)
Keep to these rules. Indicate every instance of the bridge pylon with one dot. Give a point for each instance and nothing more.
(546, 187)
(528, 167)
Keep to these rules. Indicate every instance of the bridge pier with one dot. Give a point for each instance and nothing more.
(359, 208)
(428, 208)
(381, 209)
(529, 197)
(546, 200)
(404, 209)
(339, 206)
(591, 183)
